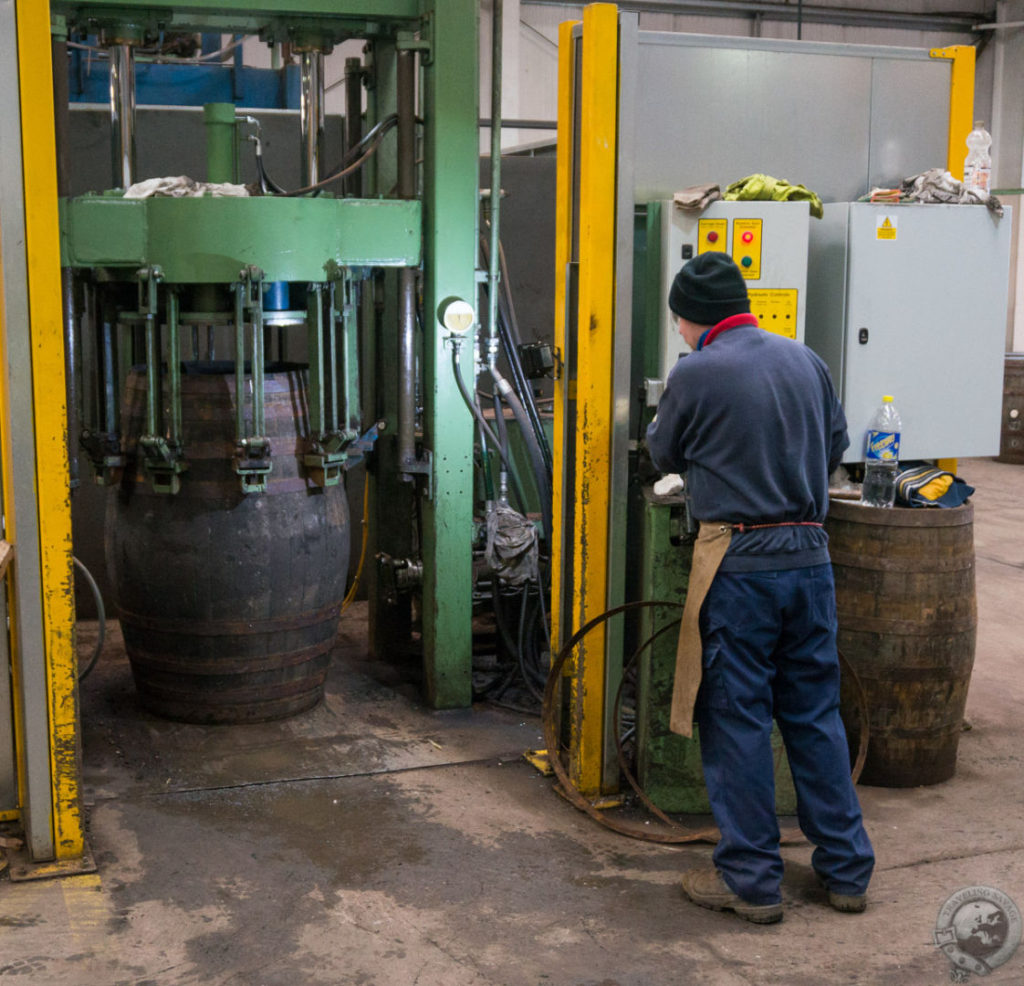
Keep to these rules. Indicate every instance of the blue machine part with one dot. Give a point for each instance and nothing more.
(189, 84)
(276, 296)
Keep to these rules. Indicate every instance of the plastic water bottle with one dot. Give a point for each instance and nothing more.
(882, 457)
(978, 163)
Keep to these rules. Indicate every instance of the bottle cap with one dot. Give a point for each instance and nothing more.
(887, 399)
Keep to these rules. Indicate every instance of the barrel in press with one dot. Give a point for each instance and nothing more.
(229, 602)
(1011, 437)
(907, 616)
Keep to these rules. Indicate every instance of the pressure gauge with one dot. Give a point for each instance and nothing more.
(456, 315)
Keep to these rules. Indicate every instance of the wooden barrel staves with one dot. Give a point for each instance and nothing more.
(1011, 436)
(907, 616)
(228, 602)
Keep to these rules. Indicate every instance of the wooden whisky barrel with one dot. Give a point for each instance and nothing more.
(907, 614)
(228, 601)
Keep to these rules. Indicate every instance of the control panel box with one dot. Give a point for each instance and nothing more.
(911, 300)
(768, 241)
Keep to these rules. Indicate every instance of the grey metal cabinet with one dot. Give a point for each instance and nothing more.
(911, 300)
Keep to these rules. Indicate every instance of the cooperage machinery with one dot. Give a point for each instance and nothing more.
(233, 346)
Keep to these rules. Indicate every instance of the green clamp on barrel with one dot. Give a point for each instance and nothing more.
(253, 465)
(327, 459)
(163, 463)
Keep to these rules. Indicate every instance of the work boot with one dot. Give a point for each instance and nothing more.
(706, 888)
(847, 903)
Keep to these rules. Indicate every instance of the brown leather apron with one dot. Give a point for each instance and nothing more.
(712, 543)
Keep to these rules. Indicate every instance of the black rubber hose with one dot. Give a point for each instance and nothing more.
(524, 390)
(352, 159)
(532, 448)
(512, 346)
(499, 420)
(486, 429)
(536, 688)
(508, 333)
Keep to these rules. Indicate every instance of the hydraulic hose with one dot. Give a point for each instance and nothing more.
(525, 392)
(512, 347)
(507, 332)
(508, 395)
(486, 430)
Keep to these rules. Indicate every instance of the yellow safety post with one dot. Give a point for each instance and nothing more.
(595, 327)
(961, 104)
(563, 257)
(961, 120)
(35, 72)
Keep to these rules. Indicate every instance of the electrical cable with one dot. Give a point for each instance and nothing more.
(536, 692)
(351, 594)
(101, 616)
(675, 834)
(499, 619)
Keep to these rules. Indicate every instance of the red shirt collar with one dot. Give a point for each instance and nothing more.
(732, 322)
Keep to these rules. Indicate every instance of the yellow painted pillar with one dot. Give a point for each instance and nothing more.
(42, 250)
(564, 391)
(961, 104)
(583, 549)
(961, 121)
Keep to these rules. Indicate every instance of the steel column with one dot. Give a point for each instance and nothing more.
(406, 92)
(391, 501)
(451, 154)
(353, 118)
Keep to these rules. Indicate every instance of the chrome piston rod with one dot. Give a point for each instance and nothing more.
(122, 114)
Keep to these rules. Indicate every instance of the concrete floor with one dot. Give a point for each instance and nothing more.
(374, 843)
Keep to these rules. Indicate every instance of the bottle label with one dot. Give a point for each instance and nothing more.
(883, 446)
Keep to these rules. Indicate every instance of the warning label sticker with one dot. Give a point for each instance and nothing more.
(885, 228)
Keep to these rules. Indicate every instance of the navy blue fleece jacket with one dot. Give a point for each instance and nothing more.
(753, 421)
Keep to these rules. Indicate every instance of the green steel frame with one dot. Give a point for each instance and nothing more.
(289, 239)
(351, 232)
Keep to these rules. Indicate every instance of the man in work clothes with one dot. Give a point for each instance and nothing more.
(753, 422)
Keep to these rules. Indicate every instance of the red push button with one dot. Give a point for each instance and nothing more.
(748, 237)
(712, 237)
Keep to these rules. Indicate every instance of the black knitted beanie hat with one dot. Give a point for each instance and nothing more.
(709, 288)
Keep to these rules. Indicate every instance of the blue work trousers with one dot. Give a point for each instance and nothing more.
(770, 650)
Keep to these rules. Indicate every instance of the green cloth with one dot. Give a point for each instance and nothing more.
(762, 187)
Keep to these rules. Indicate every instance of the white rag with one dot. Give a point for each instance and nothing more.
(182, 188)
